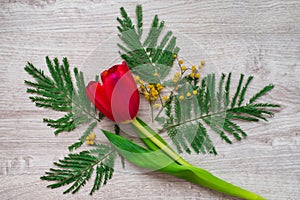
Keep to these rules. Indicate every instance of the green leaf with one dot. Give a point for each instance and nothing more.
(227, 89)
(182, 116)
(139, 16)
(58, 92)
(261, 93)
(138, 155)
(220, 92)
(243, 92)
(77, 169)
(151, 55)
(233, 102)
(158, 160)
(76, 145)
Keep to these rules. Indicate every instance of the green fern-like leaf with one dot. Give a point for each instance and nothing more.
(77, 169)
(237, 93)
(145, 58)
(261, 93)
(76, 145)
(215, 113)
(58, 92)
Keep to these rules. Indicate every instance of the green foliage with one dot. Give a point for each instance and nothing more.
(142, 157)
(59, 93)
(145, 58)
(261, 93)
(76, 145)
(77, 169)
(185, 125)
(158, 160)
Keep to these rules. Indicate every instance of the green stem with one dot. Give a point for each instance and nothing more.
(184, 169)
(152, 113)
(162, 107)
(206, 179)
(158, 141)
(198, 118)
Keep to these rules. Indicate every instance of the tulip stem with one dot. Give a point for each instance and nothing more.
(152, 114)
(192, 174)
(158, 142)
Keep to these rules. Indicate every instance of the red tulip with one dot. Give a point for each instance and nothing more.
(117, 97)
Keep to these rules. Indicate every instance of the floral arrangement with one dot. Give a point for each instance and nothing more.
(186, 104)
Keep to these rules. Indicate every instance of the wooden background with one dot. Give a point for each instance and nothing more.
(260, 37)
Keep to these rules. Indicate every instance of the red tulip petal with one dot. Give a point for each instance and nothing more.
(104, 75)
(124, 106)
(115, 72)
(91, 90)
(134, 103)
(97, 95)
(118, 97)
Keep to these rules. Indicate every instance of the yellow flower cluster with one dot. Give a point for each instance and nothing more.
(165, 98)
(194, 72)
(188, 94)
(90, 139)
(151, 91)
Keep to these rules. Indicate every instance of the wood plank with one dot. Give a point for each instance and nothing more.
(260, 38)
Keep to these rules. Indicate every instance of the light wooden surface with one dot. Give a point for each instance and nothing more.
(254, 37)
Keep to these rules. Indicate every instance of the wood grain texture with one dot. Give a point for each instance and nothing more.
(260, 38)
